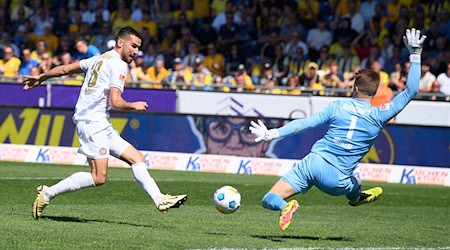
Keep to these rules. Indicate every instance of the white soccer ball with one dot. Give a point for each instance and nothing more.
(227, 199)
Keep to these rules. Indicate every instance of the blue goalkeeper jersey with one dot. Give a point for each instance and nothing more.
(353, 125)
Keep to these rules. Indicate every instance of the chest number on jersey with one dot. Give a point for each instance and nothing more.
(94, 73)
(352, 126)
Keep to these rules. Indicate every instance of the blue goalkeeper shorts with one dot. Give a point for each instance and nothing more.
(314, 170)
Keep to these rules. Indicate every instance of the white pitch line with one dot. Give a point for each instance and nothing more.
(31, 178)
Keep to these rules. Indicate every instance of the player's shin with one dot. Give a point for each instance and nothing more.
(72, 183)
(273, 201)
(146, 182)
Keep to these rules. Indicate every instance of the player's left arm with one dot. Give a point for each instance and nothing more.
(34, 81)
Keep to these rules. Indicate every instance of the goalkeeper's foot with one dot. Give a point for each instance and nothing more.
(369, 195)
(40, 202)
(286, 214)
(171, 201)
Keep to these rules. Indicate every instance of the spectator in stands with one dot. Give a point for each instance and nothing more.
(87, 16)
(317, 38)
(384, 77)
(393, 10)
(123, 20)
(444, 80)
(206, 34)
(22, 38)
(20, 12)
(268, 47)
(65, 45)
(374, 55)
(151, 55)
(49, 38)
(85, 50)
(395, 32)
(233, 61)
(345, 31)
(267, 74)
(218, 6)
(62, 23)
(138, 13)
(20, 19)
(179, 76)
(71, 79)
(193, 54)
(395, 76)
(332, 78)
(97, 25)
(100, 41)
(308, 11)
(294, 28)
(367, 9)
(292, 86)
(27, 63)
(348, 60)
(292, 46)
(202, 9)
(137, 73)
(158, 73)
(164, 17)
(229, 33)
(242, 81)
(427, 78)
(40, 20)
(309, 78)
(444, 22)
(9, 64)
(435, 93)
(74, 28)
(356, 19)
(46, 62)
(298, 63)
(147, 22)
(280, 65)
(228, 16)
(214, 61)
(249, 37)
(324, 58)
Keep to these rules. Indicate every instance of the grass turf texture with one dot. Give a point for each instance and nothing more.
(119, 214)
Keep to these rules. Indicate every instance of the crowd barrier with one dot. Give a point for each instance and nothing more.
(225, 164)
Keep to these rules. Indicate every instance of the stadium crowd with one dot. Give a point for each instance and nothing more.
(265, 46)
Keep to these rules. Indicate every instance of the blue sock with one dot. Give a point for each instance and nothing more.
(273, 201)
(353, 197)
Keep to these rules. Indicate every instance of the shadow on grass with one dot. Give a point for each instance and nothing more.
(281, 238)
(79, 220)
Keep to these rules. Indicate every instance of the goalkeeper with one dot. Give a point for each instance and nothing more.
(353, 126)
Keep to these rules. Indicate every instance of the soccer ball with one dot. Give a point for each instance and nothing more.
(227, 199)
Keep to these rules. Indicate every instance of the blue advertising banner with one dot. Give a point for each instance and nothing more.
(64, 96)
(397, 144)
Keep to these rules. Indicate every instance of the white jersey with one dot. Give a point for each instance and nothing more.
(104, 71)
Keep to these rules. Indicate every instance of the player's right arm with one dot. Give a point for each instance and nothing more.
(117, 102)
(34, 81)
(414, 43)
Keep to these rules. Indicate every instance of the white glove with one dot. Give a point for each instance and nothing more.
(261, 131)
(413, 41)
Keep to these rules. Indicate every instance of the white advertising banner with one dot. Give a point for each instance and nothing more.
(292, 107)
(225, 164)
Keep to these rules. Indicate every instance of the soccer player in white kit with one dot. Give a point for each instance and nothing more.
(102, 90)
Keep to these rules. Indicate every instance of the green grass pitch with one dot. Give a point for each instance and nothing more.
(119, 215)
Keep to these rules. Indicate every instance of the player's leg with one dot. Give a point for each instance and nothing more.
(293, 182)
(128, 153)
(96, 149)
(357, 197)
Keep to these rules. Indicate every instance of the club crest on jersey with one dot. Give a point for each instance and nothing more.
(121, 77)
(385, 106)
(103, 151)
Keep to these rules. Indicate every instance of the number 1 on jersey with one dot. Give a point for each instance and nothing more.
(352, 126)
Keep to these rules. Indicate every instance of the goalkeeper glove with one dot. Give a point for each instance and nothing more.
(261, 131)
(414, 43)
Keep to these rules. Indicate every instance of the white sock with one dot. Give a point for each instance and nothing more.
(72, 183)
(146, 182)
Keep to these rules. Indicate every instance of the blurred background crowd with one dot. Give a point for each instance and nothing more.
(265, 46)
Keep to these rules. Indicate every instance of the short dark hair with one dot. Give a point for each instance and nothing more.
(126, 32)
(367, 81)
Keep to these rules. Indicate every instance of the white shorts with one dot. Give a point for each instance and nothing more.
(99, 140)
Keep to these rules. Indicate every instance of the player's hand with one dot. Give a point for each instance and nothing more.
(140, 106)
(261, 131)
(413, 41)
(31, 82)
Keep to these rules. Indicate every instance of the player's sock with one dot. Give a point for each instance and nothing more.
(72, 183)
(273, 201)
(147, 183)
(353, 197)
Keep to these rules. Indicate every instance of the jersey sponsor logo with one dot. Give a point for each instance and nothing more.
(121, 77)
(385, 106)
(103, 151)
